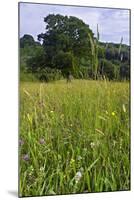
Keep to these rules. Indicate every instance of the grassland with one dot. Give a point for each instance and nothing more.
(74, 137)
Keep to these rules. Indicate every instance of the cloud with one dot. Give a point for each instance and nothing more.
(113, 23)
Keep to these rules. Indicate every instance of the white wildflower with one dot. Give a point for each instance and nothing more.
(92, 144)
(79, 158)
(78, 176)
(42, 169)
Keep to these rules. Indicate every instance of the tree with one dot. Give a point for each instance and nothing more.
(36, 61)
(108, 69)
(27, 40)
(66, 36)
(124, 72)
(63, 61)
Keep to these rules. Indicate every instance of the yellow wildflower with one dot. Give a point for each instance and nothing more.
(113, 113)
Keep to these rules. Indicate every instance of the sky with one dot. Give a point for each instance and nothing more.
(113, 23)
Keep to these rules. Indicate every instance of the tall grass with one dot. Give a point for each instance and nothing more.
(74, 138)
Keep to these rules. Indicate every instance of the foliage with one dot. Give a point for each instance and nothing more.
(31, 57)
(49, 74)
(36, 62)
(27, 40)
(28, 77)
(63, 61)
(108, 69)
(124, 72)
(65, 35)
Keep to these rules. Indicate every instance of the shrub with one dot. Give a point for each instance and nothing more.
(108, 69)
(48, 74)
(24, 76)
(63, 61)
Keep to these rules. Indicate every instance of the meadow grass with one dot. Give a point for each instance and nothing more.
(74, 138)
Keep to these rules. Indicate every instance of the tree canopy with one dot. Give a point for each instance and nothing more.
(66, 37)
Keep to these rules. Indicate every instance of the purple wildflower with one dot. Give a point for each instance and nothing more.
(26, 157)
(21, 142)
(41, 141)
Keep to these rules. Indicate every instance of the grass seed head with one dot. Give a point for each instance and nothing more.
(124, 108)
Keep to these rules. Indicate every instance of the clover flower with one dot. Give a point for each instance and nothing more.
(41, 141)
(21, 142)
(26, 157)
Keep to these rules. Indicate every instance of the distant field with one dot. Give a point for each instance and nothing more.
(74, 137)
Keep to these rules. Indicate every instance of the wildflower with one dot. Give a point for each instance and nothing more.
(92, 144)
(78, 176)
(41, 169)
(41, 141)
(79, 158)
(113, 113)
(71, 125)
(21, 142)
(26, 157)
(51, 111)
(72, 161)
(31, 170)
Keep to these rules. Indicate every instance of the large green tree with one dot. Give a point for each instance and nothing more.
(66, 37)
